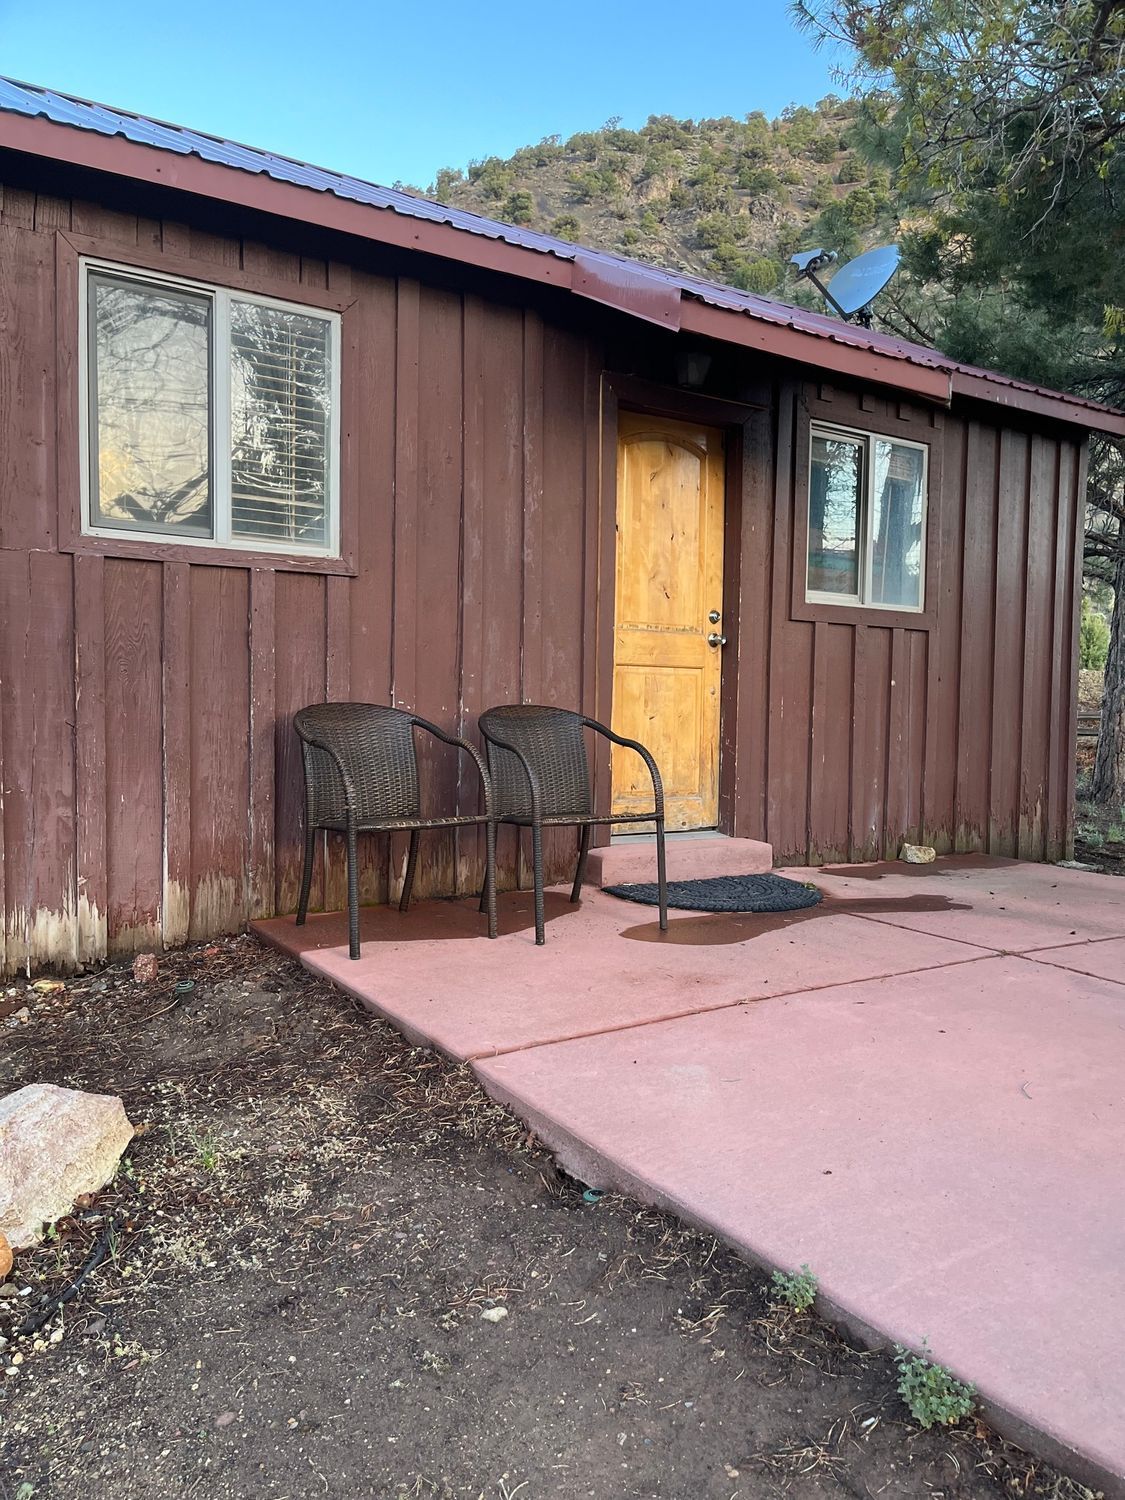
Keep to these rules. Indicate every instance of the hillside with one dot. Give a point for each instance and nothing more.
(728, 199)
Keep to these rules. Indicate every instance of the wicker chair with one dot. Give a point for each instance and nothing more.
(361, 776)
(541, 779)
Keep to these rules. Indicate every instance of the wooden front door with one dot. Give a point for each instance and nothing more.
(666, 675)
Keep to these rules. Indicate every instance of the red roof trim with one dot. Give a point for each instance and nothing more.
(627, 288)
(842, 359)
(716, 311)
(984, 385)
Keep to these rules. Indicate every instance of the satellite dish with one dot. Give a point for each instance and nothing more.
(854, 286)
(857, 284)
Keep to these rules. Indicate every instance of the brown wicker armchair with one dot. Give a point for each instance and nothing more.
(361, 776)
(541, 779)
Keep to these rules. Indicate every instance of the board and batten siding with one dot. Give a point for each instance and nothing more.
(958, 732)
(150, 781)
(151, 778)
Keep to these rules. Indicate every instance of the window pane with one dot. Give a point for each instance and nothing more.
(896, 525)
(835, 497)
(150, 434)
(281, 393)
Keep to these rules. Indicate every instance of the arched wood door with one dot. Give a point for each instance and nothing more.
(669, 598)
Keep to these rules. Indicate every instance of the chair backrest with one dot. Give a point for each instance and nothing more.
(375, 744)
(552, 742)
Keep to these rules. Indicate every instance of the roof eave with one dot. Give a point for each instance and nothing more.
(117, 156)
(1038, 403)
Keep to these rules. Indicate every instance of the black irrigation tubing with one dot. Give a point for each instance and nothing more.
(101, 1249)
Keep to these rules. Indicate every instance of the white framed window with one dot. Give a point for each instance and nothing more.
(866, 520)
(209, 417)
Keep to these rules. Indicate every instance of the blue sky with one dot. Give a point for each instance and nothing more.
(395, 91)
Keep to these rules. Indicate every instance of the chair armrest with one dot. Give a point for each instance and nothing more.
(308, 739)
(459, 744)
(653, 768)
(532, 779)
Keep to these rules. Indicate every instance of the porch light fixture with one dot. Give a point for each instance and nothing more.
(692, 367)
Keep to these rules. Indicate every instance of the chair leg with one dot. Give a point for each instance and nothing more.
(482, 904)
(353, 896)
(306, 875)
(411, 863)
(580, 872)
(490, 877)
(661, 875)
(537, 865)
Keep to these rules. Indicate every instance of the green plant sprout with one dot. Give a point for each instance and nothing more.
(796, 1290)
(933, 1396)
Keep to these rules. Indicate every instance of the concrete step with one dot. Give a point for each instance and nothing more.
(688, 859)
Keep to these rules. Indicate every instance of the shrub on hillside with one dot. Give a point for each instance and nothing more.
(493, 176)
(752, 177)
(446, 180)
(585, 144)
(519, 207)
(718, 229)
(859, 206)
(851, 169)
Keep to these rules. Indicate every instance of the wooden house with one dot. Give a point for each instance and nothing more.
(273, 435)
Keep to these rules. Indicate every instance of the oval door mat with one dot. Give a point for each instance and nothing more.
(725, 893)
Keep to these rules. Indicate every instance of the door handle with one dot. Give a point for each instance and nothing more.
(716, 640)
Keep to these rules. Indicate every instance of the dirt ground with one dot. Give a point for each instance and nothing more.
(300, 1254)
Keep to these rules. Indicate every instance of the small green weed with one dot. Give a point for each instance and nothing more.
(933, 1395)
(207, 1145)
(796, 1290)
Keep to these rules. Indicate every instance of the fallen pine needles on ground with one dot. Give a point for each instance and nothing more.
(330, 1265)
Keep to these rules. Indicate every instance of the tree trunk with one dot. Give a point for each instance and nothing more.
(1109, 767)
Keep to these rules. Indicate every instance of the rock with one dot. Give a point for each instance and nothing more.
(48, 986)
(5, 1256)
(917, 854)
(55, 1144)
(144, 968)
(494, 1314)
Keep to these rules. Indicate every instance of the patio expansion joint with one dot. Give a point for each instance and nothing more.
(1071, 942)
(1047, 963)
(711, 1010)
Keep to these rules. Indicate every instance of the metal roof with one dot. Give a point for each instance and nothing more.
(647, 286)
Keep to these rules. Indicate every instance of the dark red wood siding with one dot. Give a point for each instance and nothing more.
(151, 781)
(955, 733)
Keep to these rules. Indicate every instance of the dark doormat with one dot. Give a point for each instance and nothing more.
(725, 893)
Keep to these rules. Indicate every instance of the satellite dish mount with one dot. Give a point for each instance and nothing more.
(854, 286)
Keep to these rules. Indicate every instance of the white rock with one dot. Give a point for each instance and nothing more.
(494, 1314)
(918, 854)
(55, 1144)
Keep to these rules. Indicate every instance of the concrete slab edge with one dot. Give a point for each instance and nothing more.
(589, 1165)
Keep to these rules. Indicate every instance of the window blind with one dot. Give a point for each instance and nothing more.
(280, 423)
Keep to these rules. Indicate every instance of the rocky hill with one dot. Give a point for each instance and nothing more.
(729, 199)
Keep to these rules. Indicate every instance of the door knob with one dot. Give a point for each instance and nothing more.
(716, 640)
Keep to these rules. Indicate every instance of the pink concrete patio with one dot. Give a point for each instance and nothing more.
(915, 1087)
